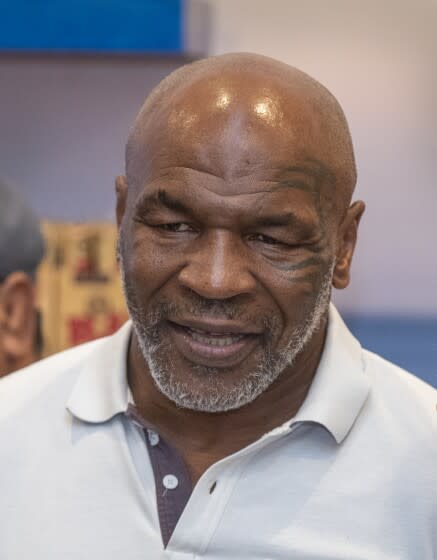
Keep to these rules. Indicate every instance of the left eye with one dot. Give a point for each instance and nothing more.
(265, 239)
(179, 227)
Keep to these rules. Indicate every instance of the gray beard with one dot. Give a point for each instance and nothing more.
(219, 397)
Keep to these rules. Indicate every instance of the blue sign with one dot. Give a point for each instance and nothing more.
(92, 25)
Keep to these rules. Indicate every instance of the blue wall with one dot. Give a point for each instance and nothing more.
(409, 343)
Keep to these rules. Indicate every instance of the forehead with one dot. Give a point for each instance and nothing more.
(238, 137)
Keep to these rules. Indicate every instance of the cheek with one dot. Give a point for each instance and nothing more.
(147, 266)
(296, 300)
(288, 287)
(294, 295)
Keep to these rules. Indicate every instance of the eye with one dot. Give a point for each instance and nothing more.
(266, 239)
(177, 227)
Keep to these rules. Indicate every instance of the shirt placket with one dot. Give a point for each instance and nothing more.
(172, 480)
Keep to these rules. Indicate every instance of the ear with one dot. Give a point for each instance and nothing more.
(121, 192)
(346, 242)
(17, 319)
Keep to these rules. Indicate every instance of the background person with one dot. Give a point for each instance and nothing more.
(21, 251)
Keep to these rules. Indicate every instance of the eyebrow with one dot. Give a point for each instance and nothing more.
(312, 168)
(162, 199)
(278, 220)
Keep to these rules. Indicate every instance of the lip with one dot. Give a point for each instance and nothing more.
(205, 354)
(216, 326)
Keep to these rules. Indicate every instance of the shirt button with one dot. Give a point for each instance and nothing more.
(153, 437)
(170, 481)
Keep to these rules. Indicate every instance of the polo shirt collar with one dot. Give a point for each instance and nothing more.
(101, 390)
(340, 386)
(334, 400)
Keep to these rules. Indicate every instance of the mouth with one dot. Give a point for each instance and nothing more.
(213, 344)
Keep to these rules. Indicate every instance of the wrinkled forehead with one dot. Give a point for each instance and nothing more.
(231, 127)
(229, 123)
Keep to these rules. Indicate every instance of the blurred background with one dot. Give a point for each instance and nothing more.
(73, 75)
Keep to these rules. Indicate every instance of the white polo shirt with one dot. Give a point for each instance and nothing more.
(352, 476)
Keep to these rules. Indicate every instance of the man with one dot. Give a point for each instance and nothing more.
(21, 250)
(236, 416)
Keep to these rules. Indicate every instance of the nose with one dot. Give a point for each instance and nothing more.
(219, 268)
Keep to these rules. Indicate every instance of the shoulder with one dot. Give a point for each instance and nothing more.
(401, 396)
(50, 378)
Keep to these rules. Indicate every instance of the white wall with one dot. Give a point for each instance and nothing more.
(64, 121)
(379, 58)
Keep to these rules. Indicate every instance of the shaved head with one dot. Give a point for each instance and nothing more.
(225, 93)
(235, 222)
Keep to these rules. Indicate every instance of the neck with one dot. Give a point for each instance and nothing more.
(209, 437)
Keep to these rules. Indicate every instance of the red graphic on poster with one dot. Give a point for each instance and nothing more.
(83, 329)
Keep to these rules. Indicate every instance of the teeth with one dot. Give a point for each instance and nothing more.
(210, 333)
(217, 340)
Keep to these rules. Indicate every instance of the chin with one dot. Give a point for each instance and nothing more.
(210, 389)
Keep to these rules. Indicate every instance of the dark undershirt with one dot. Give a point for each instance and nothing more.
(172, 480)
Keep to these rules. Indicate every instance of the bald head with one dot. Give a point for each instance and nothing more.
(238, 102)
(240, 171)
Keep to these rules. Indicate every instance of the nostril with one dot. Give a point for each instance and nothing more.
(220, 284)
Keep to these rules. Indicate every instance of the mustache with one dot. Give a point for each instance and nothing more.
(198, 308)
(193, 306)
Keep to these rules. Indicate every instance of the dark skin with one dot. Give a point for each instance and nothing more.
(17, 322)
(240, 198)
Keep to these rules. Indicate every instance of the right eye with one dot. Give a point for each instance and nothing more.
(177, 227)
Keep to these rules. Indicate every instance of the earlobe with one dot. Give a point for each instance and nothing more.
(341, 276)
(121, 192)
(346, 245)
